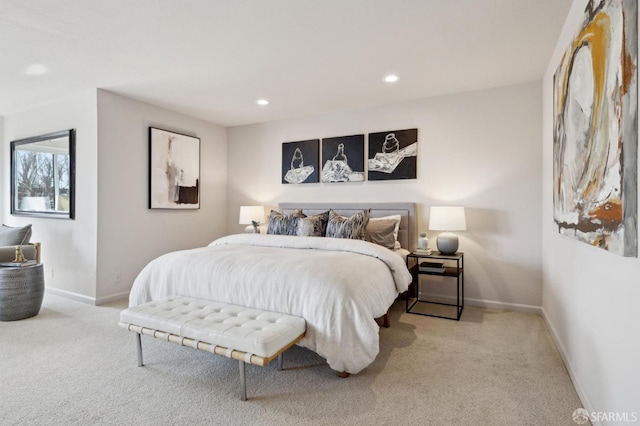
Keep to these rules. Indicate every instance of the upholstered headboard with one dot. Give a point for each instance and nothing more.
(407, 234)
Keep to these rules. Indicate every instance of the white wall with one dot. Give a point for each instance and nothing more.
(4, 165)
(478, 149)
(96, 257)
(68, 246)
(590, 296)
(129, 233)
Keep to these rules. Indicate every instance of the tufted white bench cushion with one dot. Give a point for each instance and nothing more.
(254, 331)
(249, 335)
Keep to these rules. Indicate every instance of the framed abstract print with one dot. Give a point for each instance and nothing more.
(174, 170)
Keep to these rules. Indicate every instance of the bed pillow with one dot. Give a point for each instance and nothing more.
(396, 218)
(313, 226)
(353, 227)
(381, 232)
(283, 224)
(13, 236)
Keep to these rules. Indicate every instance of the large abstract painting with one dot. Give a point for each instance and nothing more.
(174, 168)
(595, 143)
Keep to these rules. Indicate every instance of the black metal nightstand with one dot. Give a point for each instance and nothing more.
(453, 268)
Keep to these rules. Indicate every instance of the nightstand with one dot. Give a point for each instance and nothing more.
(452, 271)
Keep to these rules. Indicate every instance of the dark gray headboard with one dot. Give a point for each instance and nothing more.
(407, 235)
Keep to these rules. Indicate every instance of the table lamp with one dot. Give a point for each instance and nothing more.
(252, 215)
(447, 219)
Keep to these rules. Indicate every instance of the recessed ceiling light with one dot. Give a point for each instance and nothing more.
(36, 69)
(262, 102)
(391, 78)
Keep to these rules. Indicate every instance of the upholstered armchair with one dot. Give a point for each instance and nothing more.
(10, 237)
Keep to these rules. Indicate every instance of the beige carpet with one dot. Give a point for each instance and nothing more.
(72, 365)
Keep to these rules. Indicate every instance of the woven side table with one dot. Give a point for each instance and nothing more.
(21, 292)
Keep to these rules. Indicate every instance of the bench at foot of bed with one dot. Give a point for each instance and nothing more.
(248, 335)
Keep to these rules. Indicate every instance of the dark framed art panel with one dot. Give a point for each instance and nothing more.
(393, 155)
(300, 161)
(43, 175)
(174, 170)
(343, 159)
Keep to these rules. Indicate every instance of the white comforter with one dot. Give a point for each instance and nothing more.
(337, 285)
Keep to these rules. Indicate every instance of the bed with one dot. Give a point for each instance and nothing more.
(339, 286)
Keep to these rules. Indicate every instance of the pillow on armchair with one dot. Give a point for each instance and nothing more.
(10, 237)
(13, 236)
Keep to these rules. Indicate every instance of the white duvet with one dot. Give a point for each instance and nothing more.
(337, 285)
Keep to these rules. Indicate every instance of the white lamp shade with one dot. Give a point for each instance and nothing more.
(251, 213)
(450, 218)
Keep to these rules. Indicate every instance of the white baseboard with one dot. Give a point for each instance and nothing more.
(87, 299)
(493, 304)
(112, 298)
(584, 398)
(71, 295)
(482, 303)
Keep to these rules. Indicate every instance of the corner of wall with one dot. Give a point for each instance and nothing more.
(68, 246)
(129, 233)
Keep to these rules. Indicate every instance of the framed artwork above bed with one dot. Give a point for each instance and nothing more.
(393, 155)
(343, 159)
(300, 161)
(174, 170)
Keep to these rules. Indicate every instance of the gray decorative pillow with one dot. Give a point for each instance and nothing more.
(381, 232)
(396, 218)
(353, 227)
(313, 226)
(13, 236)
(284, 224)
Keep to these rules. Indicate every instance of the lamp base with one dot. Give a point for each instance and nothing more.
(252, 229)
(447, 243)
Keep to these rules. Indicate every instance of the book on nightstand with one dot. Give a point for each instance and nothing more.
(431, 267)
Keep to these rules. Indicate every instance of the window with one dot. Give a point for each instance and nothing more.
(42, 175)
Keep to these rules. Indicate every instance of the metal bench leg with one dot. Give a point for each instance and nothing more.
(280, 361)
(139, 348)
(243, 382)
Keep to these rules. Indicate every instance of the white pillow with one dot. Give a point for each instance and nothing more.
(397, 218)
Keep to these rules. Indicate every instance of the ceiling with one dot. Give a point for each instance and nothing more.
(212, 59)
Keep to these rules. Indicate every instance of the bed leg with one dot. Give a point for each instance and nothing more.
(139, 349)
(279, 362)
(342, 374)
(243, 382)
(386, 321)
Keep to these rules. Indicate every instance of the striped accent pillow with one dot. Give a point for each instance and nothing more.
(353, 227)
(284, 224)
(313, 226)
